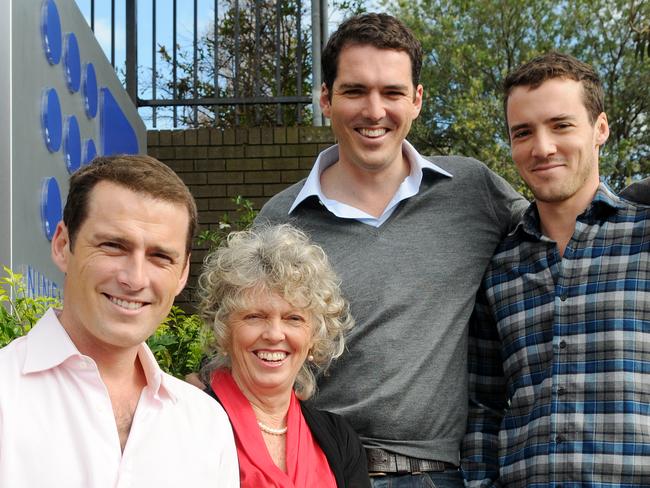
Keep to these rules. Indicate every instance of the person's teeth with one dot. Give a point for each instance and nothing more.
(372, 132)
(126, 304)
(271, 356)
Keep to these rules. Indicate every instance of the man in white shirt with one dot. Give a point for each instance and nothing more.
(82, 401)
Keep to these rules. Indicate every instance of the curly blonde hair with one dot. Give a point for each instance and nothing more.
(279, 259)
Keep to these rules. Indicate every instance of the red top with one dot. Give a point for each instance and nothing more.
(307, 465)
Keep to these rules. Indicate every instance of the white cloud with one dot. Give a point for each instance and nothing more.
(103, 36)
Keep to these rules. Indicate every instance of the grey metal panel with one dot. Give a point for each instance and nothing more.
(5, 133)
(31, 162)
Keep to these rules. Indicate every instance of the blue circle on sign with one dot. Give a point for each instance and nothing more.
(51, 122)
(50, 206)
(51, 31)
(72, 144)
(72, 63)
(89, 152)
(90, 91)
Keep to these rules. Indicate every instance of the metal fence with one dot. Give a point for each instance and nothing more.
(250, 62)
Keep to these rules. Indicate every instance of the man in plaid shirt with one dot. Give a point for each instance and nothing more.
(559, 352)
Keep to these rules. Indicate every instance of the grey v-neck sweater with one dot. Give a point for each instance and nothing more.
(402, 383)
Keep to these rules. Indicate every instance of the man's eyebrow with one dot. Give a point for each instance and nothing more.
(398, 86)
(349, 86)
(104, 236)
(172, 253)
(555, 118)
(561, 117)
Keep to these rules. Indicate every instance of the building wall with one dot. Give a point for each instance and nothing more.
(218, 165)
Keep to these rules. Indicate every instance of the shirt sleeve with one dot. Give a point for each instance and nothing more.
(228, 463)
(638, 192)
(487, 400)
(507, 204)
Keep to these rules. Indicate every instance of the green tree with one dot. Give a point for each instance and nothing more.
(471, 45)
(249, 65)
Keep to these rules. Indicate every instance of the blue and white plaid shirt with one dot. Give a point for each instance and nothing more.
(559, 355)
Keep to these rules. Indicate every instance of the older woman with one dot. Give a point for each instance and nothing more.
(277, 314)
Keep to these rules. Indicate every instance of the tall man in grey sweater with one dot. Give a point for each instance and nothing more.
(410, 238)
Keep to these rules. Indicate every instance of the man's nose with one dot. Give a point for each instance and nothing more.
(133, 273)
(374, 108)
(543, 145)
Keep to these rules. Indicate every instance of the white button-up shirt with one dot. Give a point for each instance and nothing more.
(409, 187)
(57, 427)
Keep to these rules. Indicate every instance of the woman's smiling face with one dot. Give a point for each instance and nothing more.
(270, 341)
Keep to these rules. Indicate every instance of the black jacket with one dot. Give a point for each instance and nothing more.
(341, 446)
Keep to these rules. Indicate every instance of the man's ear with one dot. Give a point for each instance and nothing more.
(184, 275)
(602, 129)
(325, 103)
(417, 101)
(60, 247)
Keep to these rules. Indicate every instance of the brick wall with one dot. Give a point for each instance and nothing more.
(218, 165)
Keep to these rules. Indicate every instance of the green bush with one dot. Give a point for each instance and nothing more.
(179, 342)
(18, 311)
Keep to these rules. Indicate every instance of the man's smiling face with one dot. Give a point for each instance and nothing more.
(127, 264)
(372, 106)
(554, 143)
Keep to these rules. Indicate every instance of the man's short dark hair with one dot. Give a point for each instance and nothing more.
(141, 174)
(558, 65)
(382, 31)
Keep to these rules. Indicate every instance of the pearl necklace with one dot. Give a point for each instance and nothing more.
(271, 430)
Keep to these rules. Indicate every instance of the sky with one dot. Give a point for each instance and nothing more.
(144, 17)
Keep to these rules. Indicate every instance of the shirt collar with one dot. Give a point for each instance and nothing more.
(329, 156)
(49, 346)
(605, 200)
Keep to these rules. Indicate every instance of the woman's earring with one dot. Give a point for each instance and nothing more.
(310, 358)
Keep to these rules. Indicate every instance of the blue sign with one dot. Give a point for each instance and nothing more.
(51, 208)
(72, 63)
(51, 31)
(72, 145)
(51, 122)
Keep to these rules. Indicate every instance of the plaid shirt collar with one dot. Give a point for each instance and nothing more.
(605, 203)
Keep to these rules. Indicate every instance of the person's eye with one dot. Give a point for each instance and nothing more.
(253, 316)
(163, 258)
(353, 92)
(520, 134)
(111, 246)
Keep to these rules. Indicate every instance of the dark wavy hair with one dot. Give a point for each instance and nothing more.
(382, 31)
